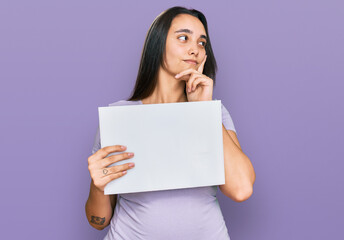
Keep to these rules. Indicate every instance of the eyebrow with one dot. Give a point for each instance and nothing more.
(191, 32)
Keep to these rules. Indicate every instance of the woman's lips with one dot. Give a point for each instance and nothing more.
(190, 62)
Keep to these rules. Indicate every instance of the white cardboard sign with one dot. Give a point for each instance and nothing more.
(176, 145)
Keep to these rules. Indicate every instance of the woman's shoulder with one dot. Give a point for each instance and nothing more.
(226, 118)
(222, 106)
(124, 102)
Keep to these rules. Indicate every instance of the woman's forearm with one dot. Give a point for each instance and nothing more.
(98, 208)
(239, 172)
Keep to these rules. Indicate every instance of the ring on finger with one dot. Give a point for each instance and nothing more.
(105, 171)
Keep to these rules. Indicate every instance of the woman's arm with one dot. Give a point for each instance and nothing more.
(239, 172)
(99, 208)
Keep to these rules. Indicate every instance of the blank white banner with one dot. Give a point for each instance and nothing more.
(176, 145)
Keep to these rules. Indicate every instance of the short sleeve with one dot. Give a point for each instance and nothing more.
(227, 119)
(96, 145)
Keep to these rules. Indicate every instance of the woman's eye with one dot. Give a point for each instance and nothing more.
(184, 38)
(203, 43)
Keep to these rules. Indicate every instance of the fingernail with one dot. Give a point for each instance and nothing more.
(176, 76)
(188, 89)
(131, 164)
(122, 147)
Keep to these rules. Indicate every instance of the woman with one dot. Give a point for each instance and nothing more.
(177, 65)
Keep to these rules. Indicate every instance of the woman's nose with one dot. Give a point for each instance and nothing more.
(193, 49)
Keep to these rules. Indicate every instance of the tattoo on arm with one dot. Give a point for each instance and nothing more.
(97, 220)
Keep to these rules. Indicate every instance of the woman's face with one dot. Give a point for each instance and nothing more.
(185, 41)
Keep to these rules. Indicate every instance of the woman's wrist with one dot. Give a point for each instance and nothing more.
(96, 190)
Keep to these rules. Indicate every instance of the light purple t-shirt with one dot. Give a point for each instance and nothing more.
(188, 213)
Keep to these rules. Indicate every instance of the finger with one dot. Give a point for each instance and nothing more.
(185, 72)
(200, 68)
(115, 158)
(190, 81)
(105, 180)
(103, 152)
(195, 83)
(116, 169)
(205, 81)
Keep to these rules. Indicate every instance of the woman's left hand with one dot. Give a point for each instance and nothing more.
(201, 86)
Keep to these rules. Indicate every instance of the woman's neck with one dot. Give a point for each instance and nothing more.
(168, 89)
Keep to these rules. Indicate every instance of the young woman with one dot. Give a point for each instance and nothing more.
(177, 65)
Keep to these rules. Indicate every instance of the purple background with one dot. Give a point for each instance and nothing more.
(281, 72)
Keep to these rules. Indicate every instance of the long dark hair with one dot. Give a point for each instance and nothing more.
(154, 48)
